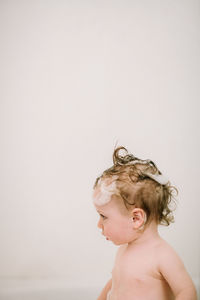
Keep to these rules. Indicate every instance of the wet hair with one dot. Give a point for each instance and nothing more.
(139, 183)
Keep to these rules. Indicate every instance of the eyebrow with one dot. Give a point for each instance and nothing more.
(100, 211)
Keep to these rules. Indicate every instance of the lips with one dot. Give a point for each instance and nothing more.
(105, 236)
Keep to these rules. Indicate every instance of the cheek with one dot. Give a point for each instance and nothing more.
(123, 232)
(109, 230)
(113, 230)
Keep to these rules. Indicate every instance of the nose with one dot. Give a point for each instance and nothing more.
(99, 224)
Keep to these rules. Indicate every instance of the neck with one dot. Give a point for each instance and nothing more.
(149, 235)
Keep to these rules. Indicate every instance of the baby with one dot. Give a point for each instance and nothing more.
(133, 198)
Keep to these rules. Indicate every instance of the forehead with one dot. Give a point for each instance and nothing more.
(115, 208)
(110, 206)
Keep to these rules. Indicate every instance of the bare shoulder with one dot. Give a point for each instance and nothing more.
(172, 269)
(165, 250)
(168, 258)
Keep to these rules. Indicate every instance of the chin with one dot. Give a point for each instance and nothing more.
(119, 243)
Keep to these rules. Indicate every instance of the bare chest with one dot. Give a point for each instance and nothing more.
(130, 266)
(138, 277)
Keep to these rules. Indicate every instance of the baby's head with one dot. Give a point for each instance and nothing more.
(137, 184)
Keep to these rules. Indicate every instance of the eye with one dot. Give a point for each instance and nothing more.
(102, 216)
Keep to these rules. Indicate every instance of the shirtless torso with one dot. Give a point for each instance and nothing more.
(136, 274)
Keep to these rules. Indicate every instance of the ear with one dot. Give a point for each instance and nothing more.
(138, 217)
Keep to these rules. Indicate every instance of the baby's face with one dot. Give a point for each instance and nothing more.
(115, 221)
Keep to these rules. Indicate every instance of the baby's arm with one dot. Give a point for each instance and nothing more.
(105, 290)
(174, 272)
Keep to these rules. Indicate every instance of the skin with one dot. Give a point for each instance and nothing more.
(146, 267)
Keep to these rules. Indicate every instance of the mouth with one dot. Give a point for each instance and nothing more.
(105, 236)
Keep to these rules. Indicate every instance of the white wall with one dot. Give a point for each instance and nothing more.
(76, 77)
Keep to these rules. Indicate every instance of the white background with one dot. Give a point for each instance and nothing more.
(75, 78)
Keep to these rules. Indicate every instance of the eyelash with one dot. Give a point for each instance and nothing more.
(102, 216)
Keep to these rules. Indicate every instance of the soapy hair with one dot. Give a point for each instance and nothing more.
(138, 184)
